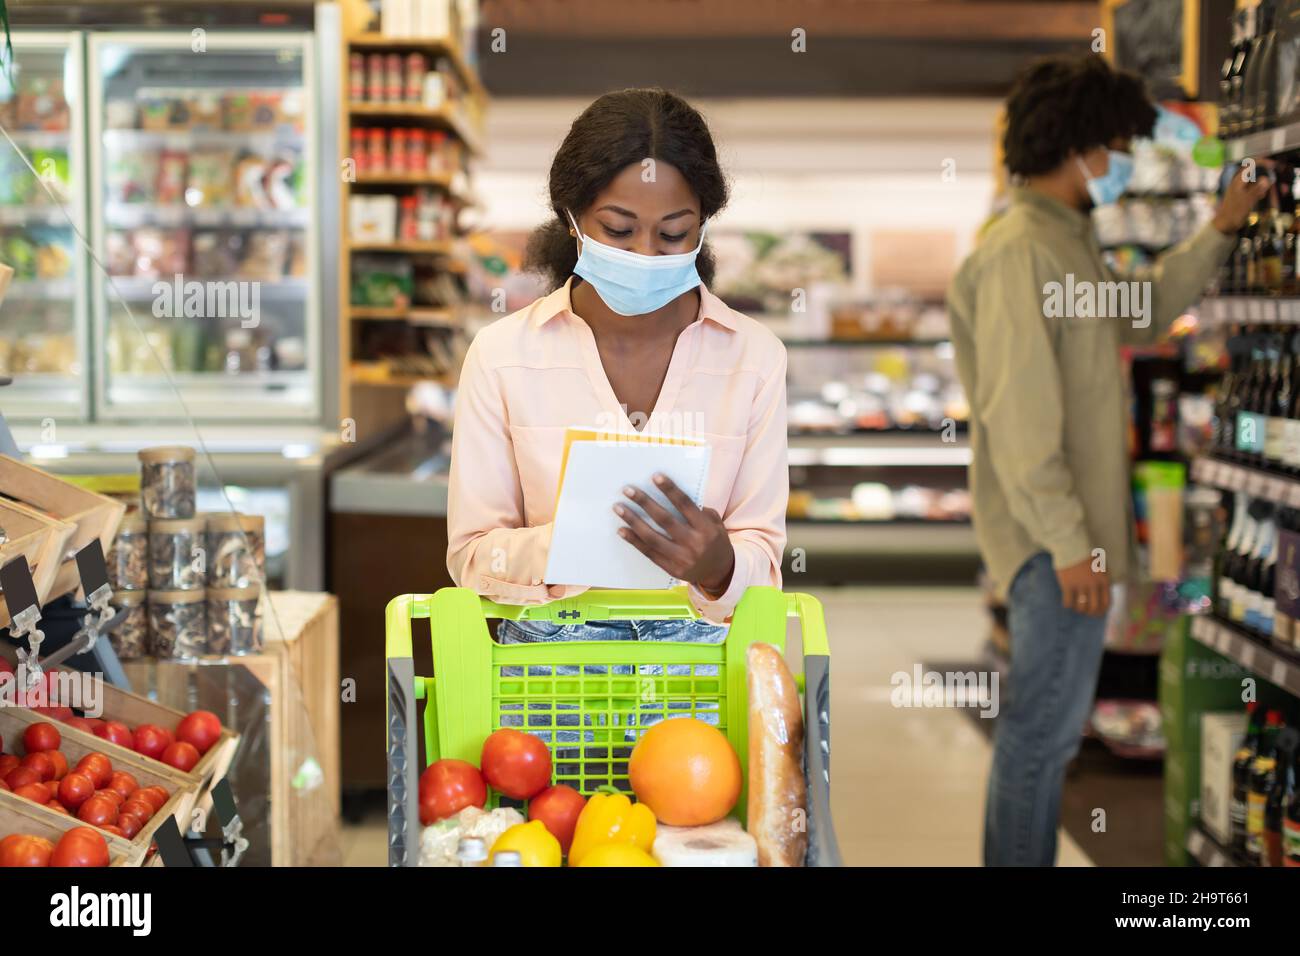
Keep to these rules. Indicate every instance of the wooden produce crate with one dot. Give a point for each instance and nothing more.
(76, 744)
(40, 538)
(94, 516)
(22, 816)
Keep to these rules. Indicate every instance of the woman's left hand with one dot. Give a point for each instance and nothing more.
(696, 548)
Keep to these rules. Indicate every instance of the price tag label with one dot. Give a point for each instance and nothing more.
(1270, 311)
(1278, 673)
(1255, 483)
(1278, 141)
(1277, 489)
(1254, 311)
(1247, 655)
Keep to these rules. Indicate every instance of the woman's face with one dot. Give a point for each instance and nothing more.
(648, 209)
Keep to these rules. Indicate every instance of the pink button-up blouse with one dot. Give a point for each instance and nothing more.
(530, 375)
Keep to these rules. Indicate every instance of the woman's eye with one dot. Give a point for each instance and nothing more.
(667, 238)
(616, 233)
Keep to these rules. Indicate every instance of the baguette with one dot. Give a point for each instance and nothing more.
(777, 792)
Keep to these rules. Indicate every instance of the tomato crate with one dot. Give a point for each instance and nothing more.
(590, 700)
(22, 816)
(182, 793)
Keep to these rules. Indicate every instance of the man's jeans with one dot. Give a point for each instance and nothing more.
(1055, 656)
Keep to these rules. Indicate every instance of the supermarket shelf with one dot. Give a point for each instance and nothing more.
(447, 118)
(131, 216)
(434, 46)
(1254, 309)
(1248, 651)
(1253, 481)
(41, 139)
(1265, 142)
(419, 315)
(381, 375)
(875, 436)
(437, 248)
(280, 289)
(884, 451)
(440, 180)
(46, 215)
(263, 141)
(882, 537)
(38, 290)
(1206, 850)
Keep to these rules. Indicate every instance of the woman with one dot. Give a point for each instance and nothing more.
(631, 336)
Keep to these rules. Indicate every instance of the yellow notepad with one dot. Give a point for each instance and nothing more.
(594, 434)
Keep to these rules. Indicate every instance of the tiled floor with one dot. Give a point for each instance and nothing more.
(907, 785)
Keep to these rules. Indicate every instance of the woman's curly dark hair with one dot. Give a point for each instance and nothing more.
(1070, 104)
(616, 131)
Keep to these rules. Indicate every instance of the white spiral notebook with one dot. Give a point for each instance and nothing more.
(585, 546)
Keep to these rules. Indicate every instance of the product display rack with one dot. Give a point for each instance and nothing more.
(1265, 142)
(1206, 850)
(371, 391)
(1248, 651)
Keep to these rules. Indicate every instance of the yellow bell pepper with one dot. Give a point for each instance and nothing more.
(611, 818)
(532, 841)
(618, 854)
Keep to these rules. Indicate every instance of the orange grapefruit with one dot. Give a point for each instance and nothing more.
(686, 772)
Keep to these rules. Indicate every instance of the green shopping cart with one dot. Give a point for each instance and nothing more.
(589, 699)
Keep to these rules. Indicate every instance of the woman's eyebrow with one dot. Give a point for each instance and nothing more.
(678, 214)
(620, 210)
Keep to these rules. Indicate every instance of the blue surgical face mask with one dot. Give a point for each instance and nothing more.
(633, 284)
(1107, 188)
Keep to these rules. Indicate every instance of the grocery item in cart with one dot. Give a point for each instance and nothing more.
(439, 841)
(167, 481)
(724, 843)
(777, 792)
(176, 557)
(178, 624)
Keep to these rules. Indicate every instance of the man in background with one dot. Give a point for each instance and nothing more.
(1037, 343)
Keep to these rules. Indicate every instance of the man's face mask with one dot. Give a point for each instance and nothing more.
(633, 284)
(1108, 187)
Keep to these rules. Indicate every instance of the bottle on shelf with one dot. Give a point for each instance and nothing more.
(1227, 113)
(1224, 582)
(1241, 777)
(1262, 771)
(1241, 264)
(1265, 113)
(1229, 400)
(1254, 602)
(1240, 566)
(1291, 821)
(1279, 798)
(1284, 625)
(1279, 407)
(1240, 68)
(1251, 416)
(1250, 91)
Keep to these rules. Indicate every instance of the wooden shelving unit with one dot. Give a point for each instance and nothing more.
(373, 392)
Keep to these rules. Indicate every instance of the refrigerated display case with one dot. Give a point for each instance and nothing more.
(203, 198)
(42, 202)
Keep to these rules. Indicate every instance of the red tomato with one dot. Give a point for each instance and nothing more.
(87, 724)
(62, 714)
(116, 732)
(449, 786)
(116, 830)
(136, 807)
(5, 786)
(8, 764)
(36, 792)
(155, 796)
(41, 763)
(130, 824)
(22, 777)
(58, 808)
(150, 740)
(5, 666)
(200, 728)
(123, 783)
(21, 849)
(81, 846)
(558, 808)
(180, 755)
(75, 789)
(97, 811)
(113, 795)
(60, 763)
(42, 736)
(515, 763)
(97, 767)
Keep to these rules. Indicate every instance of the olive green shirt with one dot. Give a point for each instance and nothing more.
(1037, 321)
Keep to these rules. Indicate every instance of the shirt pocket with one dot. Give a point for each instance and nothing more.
(537, 458)
(1089, 359)
(725, 457)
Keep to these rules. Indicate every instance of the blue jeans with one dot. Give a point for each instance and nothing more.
(547, 715)
(1055, 656)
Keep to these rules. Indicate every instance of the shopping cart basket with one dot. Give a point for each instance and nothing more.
(589, 699)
